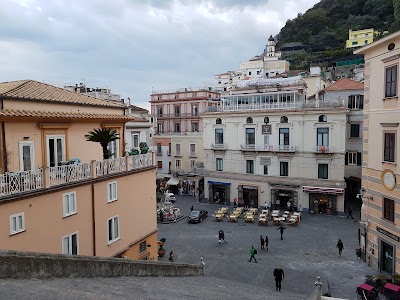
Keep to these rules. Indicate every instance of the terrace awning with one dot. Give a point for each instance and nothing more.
(173, 181)
(322, 190)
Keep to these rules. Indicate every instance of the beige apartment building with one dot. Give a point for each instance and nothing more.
(380, 232)
(57, 194)
(178, 138)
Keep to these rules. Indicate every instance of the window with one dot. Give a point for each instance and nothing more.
(354, 130)
(322, 118)
(391, 81)
(218, 121)
(55, 146)
(113, 148)
(283, 136)
(17, 223)
(159, 149)
(249, 120)
(266, 120)
(258, 72)
(355, 102)
(177, 111)
(159, 111)
(266, 139)
(388, 209)
(284, 168)
(265, 170)
(249, 72)
(112, 191)
(169, 149)
(177, 127)
(195, 127)
(69, 204)
(250, 136)
(219, 136)
(160, 128)
(322, 136)
(192, 164)
(284, 119)
(219, 164)
(113, 229)
(353, 159)
(177, 164)
(195, 110)
(26, 156)
(142, 246)
(135, 141)
(366, 42)
(323, 171)
(389, 147)
(192, 149)
(354, 43)
(250, 166)
(70, 244)
(177, 149)
(159, 164)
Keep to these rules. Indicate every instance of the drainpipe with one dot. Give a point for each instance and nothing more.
(93, 222)
(3, 137)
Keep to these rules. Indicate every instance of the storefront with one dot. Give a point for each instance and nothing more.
(284, 199)
(323, 200)
(219, 192)
(387, 250)
(248, 196)
(187, 186)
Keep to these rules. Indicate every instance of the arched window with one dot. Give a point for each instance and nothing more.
(284, 119)
(218, 121)
(266, 120)
(249, 120)
(322, 118)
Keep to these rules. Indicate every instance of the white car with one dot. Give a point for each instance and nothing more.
(169, 197)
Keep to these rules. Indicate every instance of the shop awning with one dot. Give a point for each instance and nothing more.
(219, 183)
(162, 176)
(322, 190)
(173, 181)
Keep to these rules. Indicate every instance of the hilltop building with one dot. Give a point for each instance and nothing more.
(101, 93)
(57, 193)
(265, 143)
(359, 38)
(178, 137)
(380, 232)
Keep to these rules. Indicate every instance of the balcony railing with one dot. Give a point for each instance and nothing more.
(218, 146)
(189, 133)
(269, 148)
(178, 115)
(19, 182)
(323, 149)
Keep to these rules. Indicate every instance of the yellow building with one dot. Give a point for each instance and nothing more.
(359, 38)
(380, 225)
(57, 193)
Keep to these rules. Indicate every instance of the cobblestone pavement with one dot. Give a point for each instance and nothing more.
(306, 251)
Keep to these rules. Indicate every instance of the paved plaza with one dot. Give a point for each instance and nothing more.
(307, 251)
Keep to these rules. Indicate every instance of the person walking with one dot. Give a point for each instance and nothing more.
(279, 275)
(161, 216)
(350, 213)
(253, 252)
(266, 242)
(340, 246)
(262, 242)
(191, 208)
(234, 202)
(221, 236)
(281, 228)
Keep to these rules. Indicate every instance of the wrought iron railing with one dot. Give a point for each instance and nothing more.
(218, 146)
(271, 148)
(323, 149)
(70, 173)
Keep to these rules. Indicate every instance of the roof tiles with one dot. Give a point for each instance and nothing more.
(345, 84)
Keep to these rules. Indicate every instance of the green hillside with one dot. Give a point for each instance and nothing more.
(329, 21)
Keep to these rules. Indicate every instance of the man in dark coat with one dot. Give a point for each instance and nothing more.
(279, 275)
(262, 241)
(340, 246)
(281, 228)
(350, 213)
(221, 236)
(266, 242)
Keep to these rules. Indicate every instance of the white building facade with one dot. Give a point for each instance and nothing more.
(267, 146)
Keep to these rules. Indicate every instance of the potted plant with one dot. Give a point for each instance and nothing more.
(161, 251)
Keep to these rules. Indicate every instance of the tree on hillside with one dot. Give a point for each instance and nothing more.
(396, 24)
(103, 136)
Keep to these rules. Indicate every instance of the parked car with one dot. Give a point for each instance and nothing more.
(197, 216)
(169, 197)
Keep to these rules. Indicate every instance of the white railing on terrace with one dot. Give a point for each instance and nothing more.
(18, 182)
(323, 149)
(70, 173)
(218, 146)
(271, 148)
(190, 133)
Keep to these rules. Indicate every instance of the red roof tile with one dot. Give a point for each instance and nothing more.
(345, 84)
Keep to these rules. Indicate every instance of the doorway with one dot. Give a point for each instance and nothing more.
(386, 256)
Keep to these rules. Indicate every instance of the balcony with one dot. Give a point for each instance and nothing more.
(269, 148)
(321, 149)
(27, 181)
(182, 133)
(178, 115)
(218, 146)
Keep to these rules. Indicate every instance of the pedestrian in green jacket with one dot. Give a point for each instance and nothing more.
(253, 251)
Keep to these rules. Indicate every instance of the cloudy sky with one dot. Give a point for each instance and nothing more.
(135, 46)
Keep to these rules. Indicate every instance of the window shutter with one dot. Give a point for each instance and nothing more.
(349, 102)
(359, 159)
(361, 101)
(346, 158)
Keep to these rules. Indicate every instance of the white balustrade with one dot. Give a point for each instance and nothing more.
(140, 161)
(70, 173)
(18, 182)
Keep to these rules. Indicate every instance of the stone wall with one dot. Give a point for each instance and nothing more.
(15, 264)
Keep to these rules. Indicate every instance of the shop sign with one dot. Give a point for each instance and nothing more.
(388, 234)
(266, 129)
(249, 187)
(265, 160)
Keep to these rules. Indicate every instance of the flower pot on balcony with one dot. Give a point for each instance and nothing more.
(322, 148)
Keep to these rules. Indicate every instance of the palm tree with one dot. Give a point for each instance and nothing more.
(103, 136)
